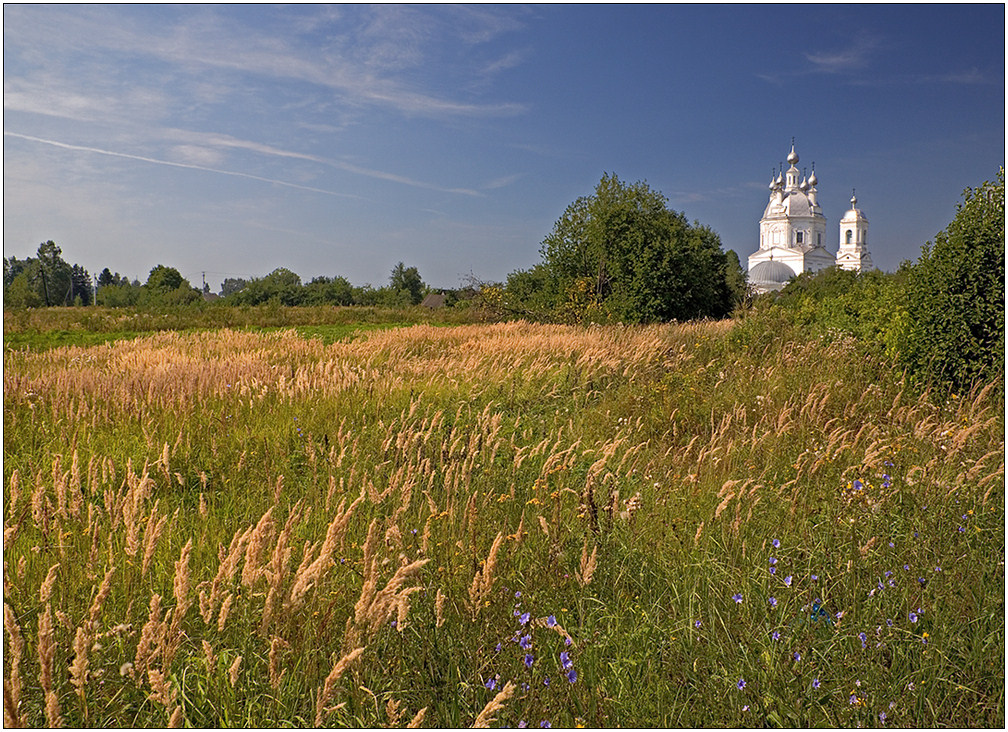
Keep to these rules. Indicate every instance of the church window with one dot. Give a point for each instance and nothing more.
(798, 237)
(849, 233)
(819, 240)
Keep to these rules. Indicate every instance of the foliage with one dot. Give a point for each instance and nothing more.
(46, 279)
(407, 281)
(622, 255)
(956, 306)
(601, 514)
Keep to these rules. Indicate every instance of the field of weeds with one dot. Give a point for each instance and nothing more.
(498, 525)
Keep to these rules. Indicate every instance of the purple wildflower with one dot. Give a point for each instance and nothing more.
(572, 675)
(529, 660)
(545, 724)
(565, 661)
(881, 717)
(524, 618)
(491, 683)
(776, 543)
(796, 656)
(864, 640)
(741, 684)
(737, 598)
(525, 642)
(787, 580)
(773, 602)
(913, 617)
(550, 621)
(773, 560)
(773, 570)
(567, 641)
(522, 724)
(698, 623)
(775, 636)
(815, 683)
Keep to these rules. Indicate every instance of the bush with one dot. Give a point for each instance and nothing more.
(955, 295)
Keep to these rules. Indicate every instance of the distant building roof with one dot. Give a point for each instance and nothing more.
(433, 302)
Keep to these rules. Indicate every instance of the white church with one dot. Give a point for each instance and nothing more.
(793, 233)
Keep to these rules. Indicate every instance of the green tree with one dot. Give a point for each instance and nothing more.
(54, 274)
(166, 286)
(407, 279)
(19, 293)
(955, 294)
(622, 254)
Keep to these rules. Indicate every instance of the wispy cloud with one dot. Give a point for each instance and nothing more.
(190, 166)
(210, 140)
(855, 56)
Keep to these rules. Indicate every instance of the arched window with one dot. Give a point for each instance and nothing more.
(849, 233)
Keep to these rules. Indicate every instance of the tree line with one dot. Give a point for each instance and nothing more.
(48, 280)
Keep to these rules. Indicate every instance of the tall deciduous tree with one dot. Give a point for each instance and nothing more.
(407, 279)
(622, 254)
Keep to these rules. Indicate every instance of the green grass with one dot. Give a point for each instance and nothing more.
(678, 454)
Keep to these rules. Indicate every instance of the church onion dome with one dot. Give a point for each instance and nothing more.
(853, 201)
(770, 275)
(813, 181)
(804, 185)
(792, 157)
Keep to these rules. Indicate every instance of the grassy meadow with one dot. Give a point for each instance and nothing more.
(709, 524)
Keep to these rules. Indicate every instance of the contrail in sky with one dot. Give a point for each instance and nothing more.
(158, 161)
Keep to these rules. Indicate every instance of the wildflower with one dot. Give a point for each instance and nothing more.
(773, 561)
(737, 598)
(961, 530)
(839, 615)
(775, 636)
(741, 684)
(522, 724)
(567, 641)
(937, 569)
(910, 686)
(491, 683)
(815, 578)
(886, 481)
(517, 594)
(529, 660)
(906, 567)
(889, 622)
(525, 642)
(924, 638)
(773, 602)
(565, 661)
(858, 485)
(913, 617)
(745, 708)
(787, 581)
(776, 543)
(550, 621)
(796, 656)
(698, 623)
(881, 717)
(891, 545)
(773, 570)
(498, 648)
(572, 675)
(545, 724)
(524, 618)
(815, 683)
(546, 681)
(864, 640)
(853, 699)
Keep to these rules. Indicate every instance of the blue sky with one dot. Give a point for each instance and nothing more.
(340, 140)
